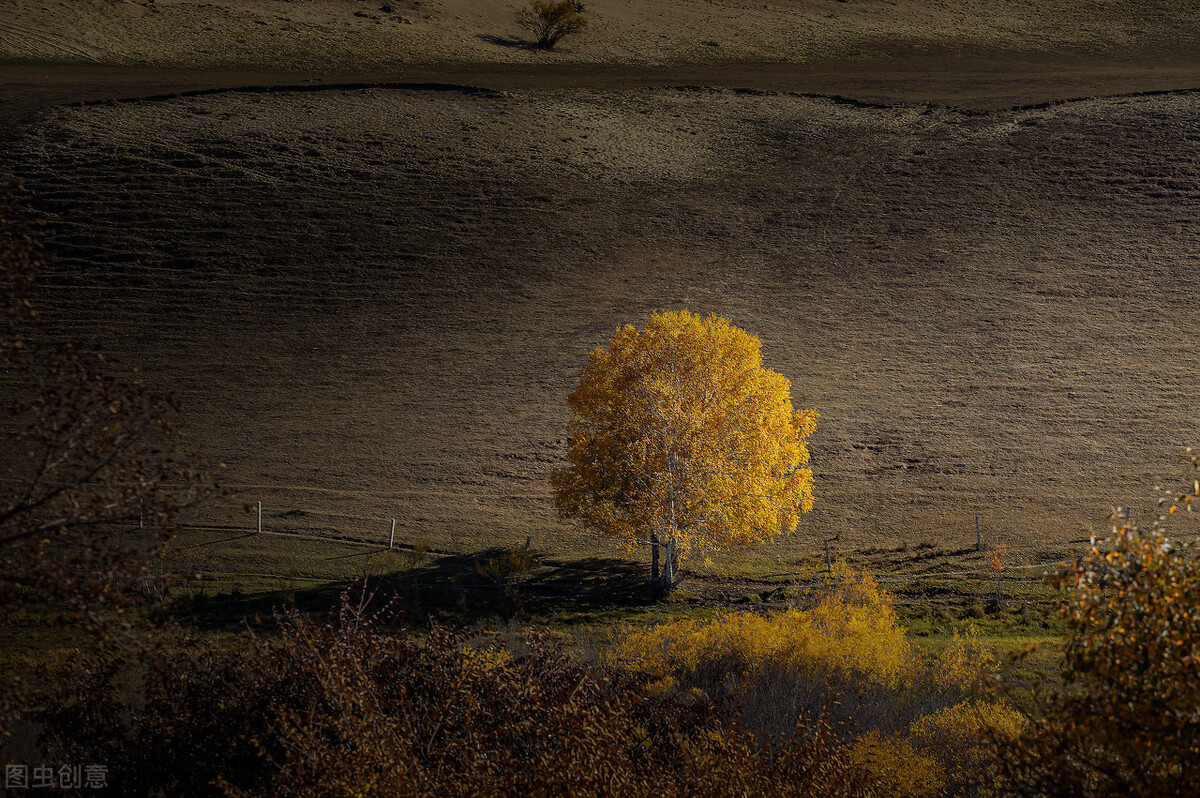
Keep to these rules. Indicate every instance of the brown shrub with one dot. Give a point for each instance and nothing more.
(1128, 722)
(86, 458)
(551, 20)
(349, 707)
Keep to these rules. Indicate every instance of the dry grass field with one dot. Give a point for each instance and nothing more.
(372, 301)
(356, 35)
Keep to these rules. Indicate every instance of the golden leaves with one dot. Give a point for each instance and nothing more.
(1133, 633)
(852, 631)
(680, 431)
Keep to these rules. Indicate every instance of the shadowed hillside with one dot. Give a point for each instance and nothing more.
(372, 303)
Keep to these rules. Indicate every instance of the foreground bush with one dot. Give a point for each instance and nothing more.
(903, 770)
(950, 752)
(966, 740)
(854, 632)
(849, 647)
(348, 708)
(1129, 721)
(910, 719)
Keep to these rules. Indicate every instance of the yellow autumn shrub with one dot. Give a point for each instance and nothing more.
(966, 723)
(854, 631)
(963, 664)
(484, 660)
(901, 769)
(964, 738)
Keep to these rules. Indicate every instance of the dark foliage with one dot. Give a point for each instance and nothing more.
(550, 21)
(1128, 722)
(85, 461)
(350, 707)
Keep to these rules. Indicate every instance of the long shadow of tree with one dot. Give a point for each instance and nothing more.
(498, 581)
(515, 42)
(459, 588)
(236, 609)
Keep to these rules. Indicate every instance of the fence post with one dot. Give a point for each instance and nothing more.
(392, 537)
(259, 518)
(978, 537)
(829, 559)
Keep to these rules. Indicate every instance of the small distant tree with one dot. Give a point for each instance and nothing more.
(551, 20)
(682, 440)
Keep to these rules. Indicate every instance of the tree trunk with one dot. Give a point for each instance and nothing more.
(661, 582)
(653, 560)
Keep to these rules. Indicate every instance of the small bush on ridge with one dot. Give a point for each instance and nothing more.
(550, 21)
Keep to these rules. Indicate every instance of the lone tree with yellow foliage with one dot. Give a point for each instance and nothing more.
(682, 441)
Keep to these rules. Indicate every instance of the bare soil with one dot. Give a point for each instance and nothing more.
(372, 282)
(355, 35)
(372, 302)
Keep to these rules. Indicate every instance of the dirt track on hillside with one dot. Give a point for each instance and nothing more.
(978, 84)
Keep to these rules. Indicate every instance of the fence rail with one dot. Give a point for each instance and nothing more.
(385, 540)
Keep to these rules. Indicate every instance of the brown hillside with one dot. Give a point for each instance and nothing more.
(354, 35)
(373, 302)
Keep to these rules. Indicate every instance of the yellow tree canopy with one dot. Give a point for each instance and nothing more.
(681, 434)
